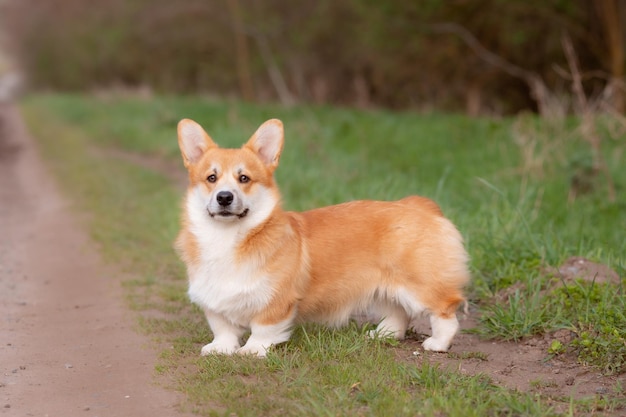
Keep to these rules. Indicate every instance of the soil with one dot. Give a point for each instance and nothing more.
(526, 366)
(67, 342)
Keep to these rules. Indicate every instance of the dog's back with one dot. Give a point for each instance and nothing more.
(377, 253)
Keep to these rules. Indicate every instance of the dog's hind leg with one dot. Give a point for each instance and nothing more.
(444, 329)
(394, 321)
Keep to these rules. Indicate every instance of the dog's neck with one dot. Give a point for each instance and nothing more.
(266, 235)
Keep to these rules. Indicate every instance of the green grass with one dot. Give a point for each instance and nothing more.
(515, 224)
(522, 314)
(597, 313)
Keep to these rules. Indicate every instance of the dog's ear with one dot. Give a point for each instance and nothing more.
(267, 142)
(193, 141)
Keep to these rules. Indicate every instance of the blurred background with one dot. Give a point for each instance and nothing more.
(480, 57)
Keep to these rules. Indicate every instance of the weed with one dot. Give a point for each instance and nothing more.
(597, 312)
(469, 355)
(540, 384)
(522, 314)
(556, 348)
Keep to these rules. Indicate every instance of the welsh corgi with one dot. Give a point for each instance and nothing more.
(253, 266)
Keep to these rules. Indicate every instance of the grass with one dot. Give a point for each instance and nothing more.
(515, 226)
(321, 372)
(597, 313)
(522, 314)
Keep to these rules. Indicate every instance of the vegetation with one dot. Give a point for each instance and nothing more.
(516, 225)
(597, 313)
(389, 53)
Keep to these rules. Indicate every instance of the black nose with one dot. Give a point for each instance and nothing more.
(224, 198)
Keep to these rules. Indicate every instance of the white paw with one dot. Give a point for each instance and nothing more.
(373, 334)
(435, 345)
(381, 334)
(219, 348)
(253, 349)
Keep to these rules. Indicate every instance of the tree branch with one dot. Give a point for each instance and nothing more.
(538, 89)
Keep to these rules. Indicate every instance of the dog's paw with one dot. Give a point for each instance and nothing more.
(435, 345)
(386, 334)
(253, 349)
(380, 334)
(214, 348)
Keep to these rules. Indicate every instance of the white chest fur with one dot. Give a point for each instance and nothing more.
(235, 289)
(236, 293)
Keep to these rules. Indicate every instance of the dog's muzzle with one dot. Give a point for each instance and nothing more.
(224, 201)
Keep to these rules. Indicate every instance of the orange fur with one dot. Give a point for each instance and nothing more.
(273, 267)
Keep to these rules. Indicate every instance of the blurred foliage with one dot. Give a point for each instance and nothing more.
(354, 52)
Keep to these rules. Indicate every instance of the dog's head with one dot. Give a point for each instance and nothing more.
(231, 185)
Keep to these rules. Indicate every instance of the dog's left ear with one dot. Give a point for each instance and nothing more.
(267, 142)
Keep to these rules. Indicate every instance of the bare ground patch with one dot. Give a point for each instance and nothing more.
(524, 366)
(67, 344)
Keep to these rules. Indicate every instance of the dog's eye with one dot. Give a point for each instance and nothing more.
(211, 178)
(244, 179)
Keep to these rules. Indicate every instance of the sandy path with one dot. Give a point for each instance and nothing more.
(67, 345)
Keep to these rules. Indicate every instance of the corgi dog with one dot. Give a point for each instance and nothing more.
(253, 266)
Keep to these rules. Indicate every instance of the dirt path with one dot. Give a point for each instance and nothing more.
(67, 344)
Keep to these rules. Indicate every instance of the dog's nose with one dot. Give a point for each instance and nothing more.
(224, 198)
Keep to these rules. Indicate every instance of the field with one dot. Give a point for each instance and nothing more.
(547, 248)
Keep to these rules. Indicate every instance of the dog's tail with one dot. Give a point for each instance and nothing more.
(465, 308)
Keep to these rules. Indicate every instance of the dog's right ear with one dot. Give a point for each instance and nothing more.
(193, 141)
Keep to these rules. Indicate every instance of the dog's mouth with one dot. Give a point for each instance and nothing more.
(226, 214)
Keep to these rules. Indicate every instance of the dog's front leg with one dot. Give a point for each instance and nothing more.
(226, 335)
(263, 336)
